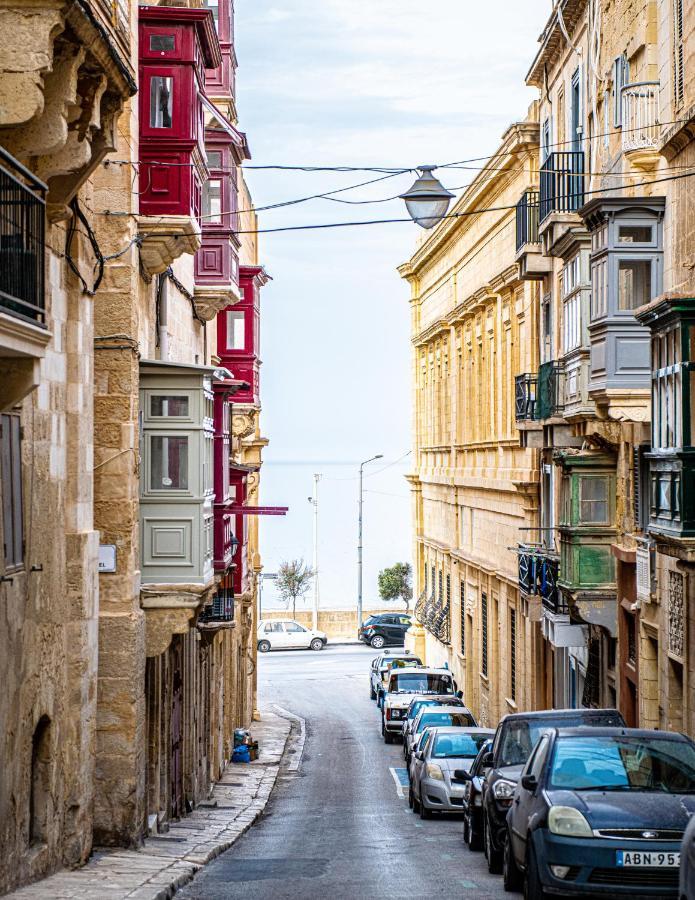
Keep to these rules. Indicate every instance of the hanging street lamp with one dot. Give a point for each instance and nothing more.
(428, 200)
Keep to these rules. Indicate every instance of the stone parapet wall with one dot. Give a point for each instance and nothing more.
(338, 624)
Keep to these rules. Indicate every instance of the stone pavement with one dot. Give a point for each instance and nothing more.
(168, 861)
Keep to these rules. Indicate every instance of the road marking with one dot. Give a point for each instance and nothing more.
(400, 776)
(293, 765)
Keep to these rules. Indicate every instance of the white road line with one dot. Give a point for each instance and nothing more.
(399, 787)
(293, 766)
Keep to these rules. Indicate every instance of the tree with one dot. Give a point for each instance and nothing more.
(293, 581)
(396, 583)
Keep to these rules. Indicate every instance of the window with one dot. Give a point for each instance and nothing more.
(621, 77)
(273, 627)
(235, 329)
(483, 633)
(635, 234)
(593, 499)
(678, 53)
(463, 617)
(512, 653)
(214, 158)
(545, 140)
(168, 463)
(294, 627)
(40, 804)
(439, 588)
(162, 42)
(11, 472)
(634, 283)
(212, 201)
(161, 101)
(169, 406)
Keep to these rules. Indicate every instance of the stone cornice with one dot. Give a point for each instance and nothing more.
(432, 331)
(552, 40)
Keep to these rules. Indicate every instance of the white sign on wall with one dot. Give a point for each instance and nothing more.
(107, 558)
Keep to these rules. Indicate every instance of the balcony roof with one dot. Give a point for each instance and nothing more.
(552, 40)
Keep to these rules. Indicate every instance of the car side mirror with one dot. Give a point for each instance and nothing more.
(418, 754)
(488, 760)
(461, 775)
(529, 782)
(459, 694)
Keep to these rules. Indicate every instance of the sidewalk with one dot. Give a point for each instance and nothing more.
(168, 861)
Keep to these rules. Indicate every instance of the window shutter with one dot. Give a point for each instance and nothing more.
(678, 52)
(621, 77)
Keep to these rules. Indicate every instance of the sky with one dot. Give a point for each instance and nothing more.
(365, 83)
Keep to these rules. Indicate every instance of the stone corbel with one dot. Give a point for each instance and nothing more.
(163, 239)
(243, 424)
(211, 299)
(161, 625)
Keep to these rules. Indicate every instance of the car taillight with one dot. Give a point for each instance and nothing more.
(388, 714)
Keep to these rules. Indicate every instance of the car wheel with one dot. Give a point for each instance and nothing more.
(377, 642)
(263, 646)
(466, 831)
(475, 839)
(316, 644)
(493, 857)
(425, 812)
(510, 872)
(372, 692)
(416, 802)
(533, 889)
(411, 798)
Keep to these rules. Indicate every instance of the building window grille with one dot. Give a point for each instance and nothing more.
(463, 618)
(425, 587)
(512, 653)
(12, 507)
(440, 588)
(678, 52)
(434, 581)
(592, 684)
(675, 613)
(631, 641)
(483, 633)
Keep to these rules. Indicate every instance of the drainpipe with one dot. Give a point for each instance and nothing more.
(163, 290)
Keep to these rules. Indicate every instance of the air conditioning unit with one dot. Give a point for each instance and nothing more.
(646, 570)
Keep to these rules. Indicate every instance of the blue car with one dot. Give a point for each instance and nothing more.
(601, 811)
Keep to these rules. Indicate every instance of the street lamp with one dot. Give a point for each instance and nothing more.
(359, 543)
(428, 200)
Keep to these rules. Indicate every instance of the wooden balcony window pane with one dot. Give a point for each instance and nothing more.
(161, 101)
(11, 484)
(634, 283)
(169, 463)
(593, 500)
(235, 330)
(163, 42)
(212, 201)
(169, 406)
(635, 234)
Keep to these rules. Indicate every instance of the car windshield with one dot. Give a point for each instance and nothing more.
(519, 736)
(417, 705)
(421, 683)
(459, 745)
(460, 720)
(623, 764)
(371, 620)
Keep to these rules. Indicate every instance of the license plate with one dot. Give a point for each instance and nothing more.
(653, 859)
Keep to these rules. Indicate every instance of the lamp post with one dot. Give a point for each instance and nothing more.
(359, 543)
(428, 200)
(314, 500)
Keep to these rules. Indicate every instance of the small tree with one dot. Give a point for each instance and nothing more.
(294, 580)
(396, 583)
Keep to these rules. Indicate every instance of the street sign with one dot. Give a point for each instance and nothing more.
(107, 558)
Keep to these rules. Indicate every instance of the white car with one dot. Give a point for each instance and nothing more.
(286, 634)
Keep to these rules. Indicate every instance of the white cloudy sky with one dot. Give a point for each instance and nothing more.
(361, 83)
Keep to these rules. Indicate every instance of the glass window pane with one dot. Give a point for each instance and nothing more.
(168, 406)
(593, 499)
(161, 102)
(235, 329)
(162, 42)
(214, 158)
(212, 201)
(214, 6)
(634, 283)
(635, 234)
(168, 463)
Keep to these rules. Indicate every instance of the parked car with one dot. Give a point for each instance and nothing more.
(515, 738)
(686, 885)
(406, 684)
(601, 811)
(382, 665)
(439, 716)
(446, 750)
(473, 799)
(286, 634)
(385, 630)
(413, 710)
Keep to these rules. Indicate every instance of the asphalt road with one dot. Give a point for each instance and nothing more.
(341, 827)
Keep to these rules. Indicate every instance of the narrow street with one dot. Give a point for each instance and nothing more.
(341, 827)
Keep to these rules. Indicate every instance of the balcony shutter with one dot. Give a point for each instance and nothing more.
(621, 77)
(11, 475)
(640, 481)
(678, 52)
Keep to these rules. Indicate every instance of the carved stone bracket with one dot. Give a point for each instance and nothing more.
(212, 299)
(164, 238)
(243, 424)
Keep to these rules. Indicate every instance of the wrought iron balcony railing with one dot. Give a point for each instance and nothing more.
(640, 115)
(538, 574)
(527, 210)
(22, 241)
(525, 397)
(548, 396)
(435, 616)
(561, 183)
(221, 610)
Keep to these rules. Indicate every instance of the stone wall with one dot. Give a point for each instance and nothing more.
(337, 624)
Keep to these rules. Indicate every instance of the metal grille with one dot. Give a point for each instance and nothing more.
(463, 618)
(222, 607)
(439, 591)
(433, 613)
(525, 397)
(678, 51)
(548, 391)
(512, 653)
(22, 241)
(483, 633)
(562, 183)
(592, 685)
(527, 219)
(631, 640)
(675, 613)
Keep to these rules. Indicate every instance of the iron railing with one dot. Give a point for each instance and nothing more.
(640, 116)
(435, 616)
(525, 397)
(22, 241)
(221, 609)
(538, 574)
(527, 210)
(561, 183)
(548, 396)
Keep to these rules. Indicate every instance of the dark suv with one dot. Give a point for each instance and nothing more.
(514, 740)
(385, 630)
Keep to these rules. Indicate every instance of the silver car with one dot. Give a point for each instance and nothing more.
(440, 715)
(438, 755)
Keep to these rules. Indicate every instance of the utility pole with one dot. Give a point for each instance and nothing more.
(359, 542)
(314, 500)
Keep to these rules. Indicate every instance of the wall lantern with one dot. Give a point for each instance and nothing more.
(428, 200)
